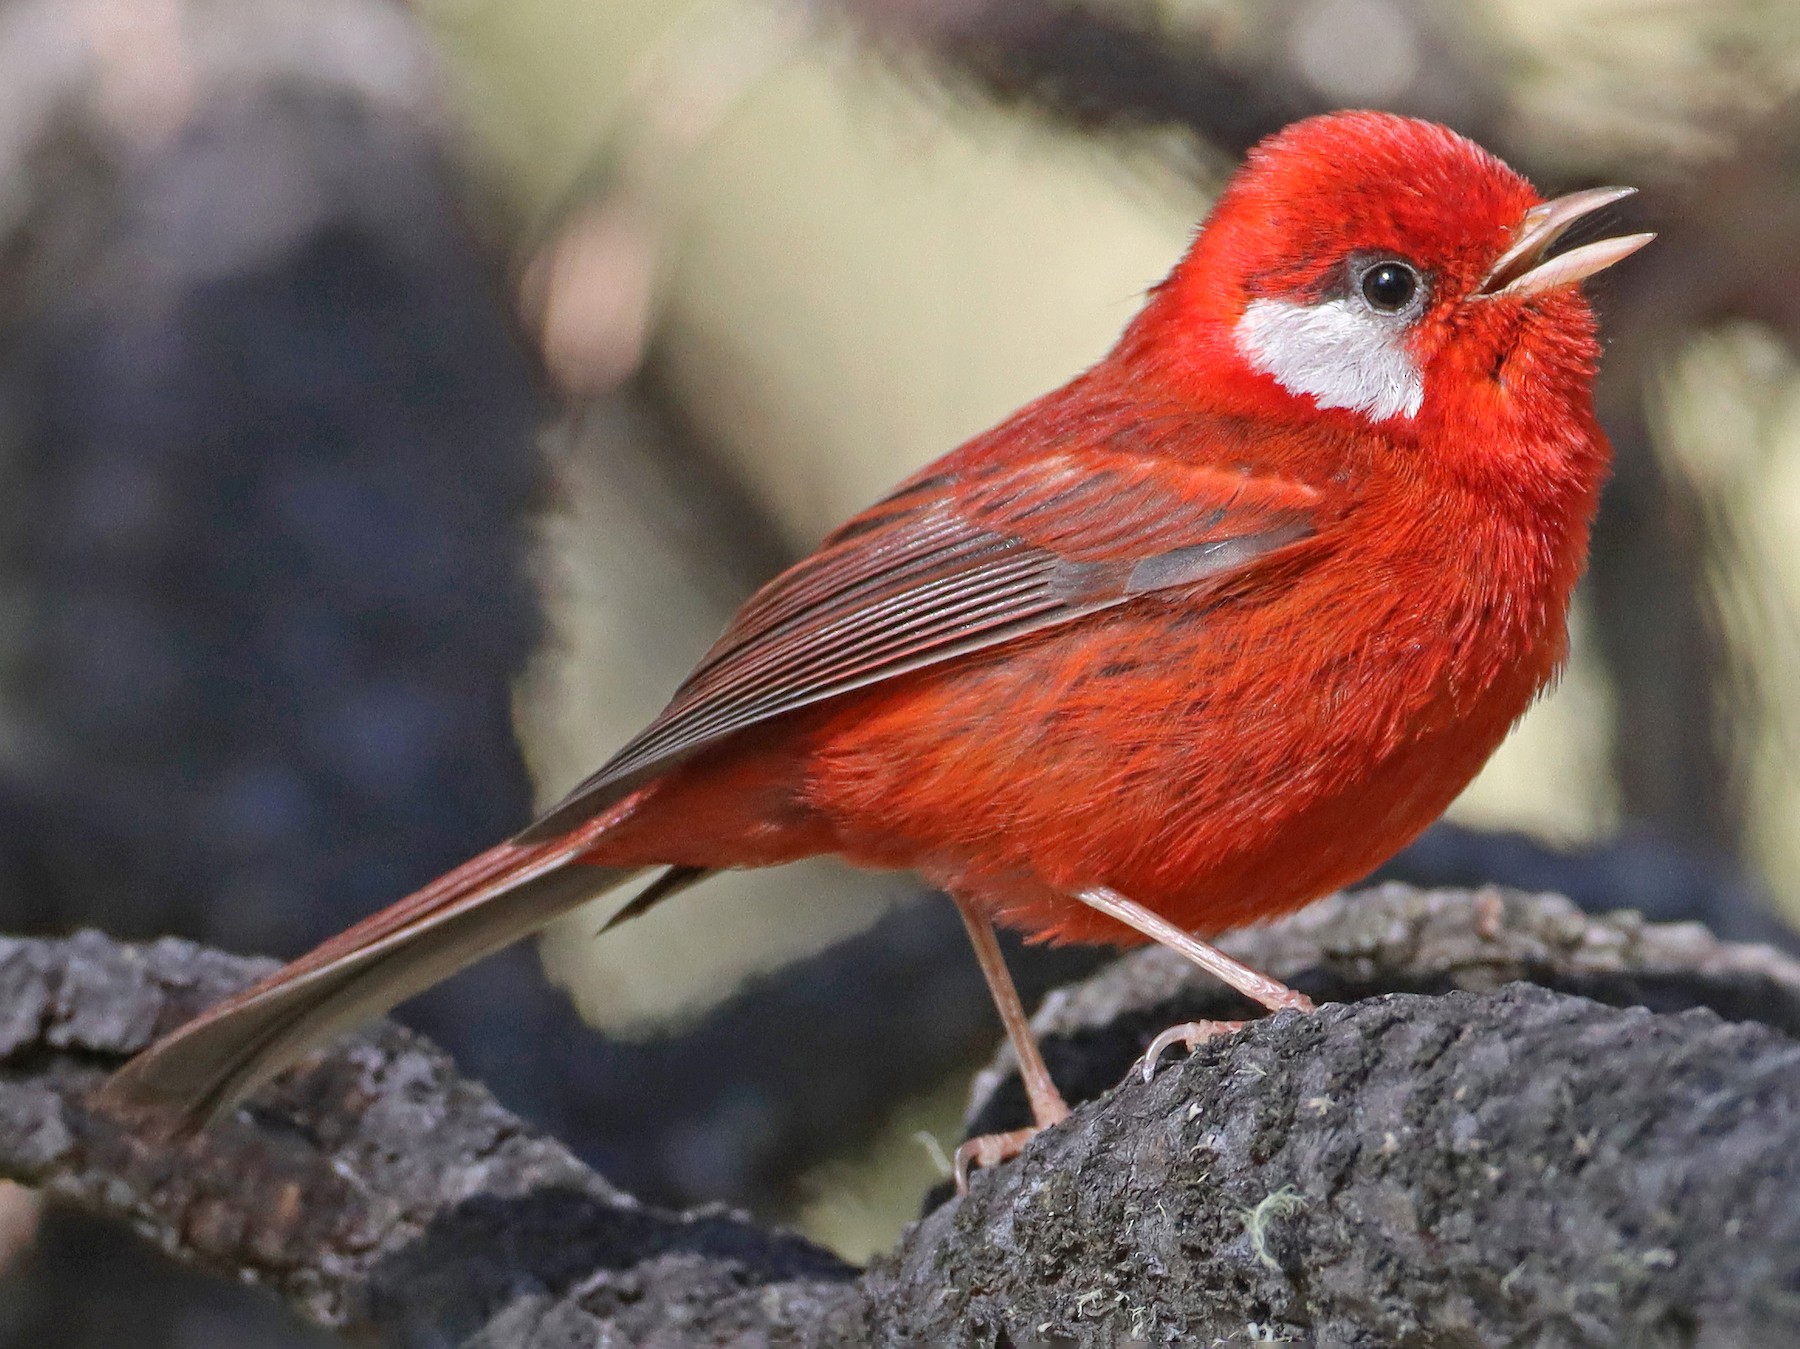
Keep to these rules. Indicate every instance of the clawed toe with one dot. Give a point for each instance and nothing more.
(989, 1150)
(1188, 1033)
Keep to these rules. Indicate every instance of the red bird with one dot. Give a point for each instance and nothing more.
(1207, 633)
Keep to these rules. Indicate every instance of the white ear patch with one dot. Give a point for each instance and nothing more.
(1338, 351)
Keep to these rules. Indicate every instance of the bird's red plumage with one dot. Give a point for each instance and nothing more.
(1231, 751)
(1219, 625)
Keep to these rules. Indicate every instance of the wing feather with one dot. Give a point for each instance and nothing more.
(949, 565)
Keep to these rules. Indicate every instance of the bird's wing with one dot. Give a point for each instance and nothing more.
(955, 562)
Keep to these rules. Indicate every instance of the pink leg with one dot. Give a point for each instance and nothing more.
(1258, 987)
(1047, 1104)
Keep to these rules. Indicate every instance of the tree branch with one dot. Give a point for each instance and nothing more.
(375, 1192)
(1468, 1168)
(1110, 68)
(1479, 1169)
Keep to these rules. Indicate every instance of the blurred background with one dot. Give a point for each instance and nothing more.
(396, 399)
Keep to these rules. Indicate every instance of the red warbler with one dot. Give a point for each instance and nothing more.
(1206, 633)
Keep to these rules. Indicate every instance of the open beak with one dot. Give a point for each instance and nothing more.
(1523, 270)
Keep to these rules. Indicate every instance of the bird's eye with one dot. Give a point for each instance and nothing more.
(1390, 286)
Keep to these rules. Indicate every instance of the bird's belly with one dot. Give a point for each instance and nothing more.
(1219, 779)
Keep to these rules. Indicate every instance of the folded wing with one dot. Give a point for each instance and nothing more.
(976, 553)
(955, 563)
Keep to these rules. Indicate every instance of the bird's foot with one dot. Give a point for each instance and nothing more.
(1188, 1033)
(990, 1150)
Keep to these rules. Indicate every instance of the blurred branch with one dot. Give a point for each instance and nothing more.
(1092, 67)
(1095, 66)
(1520, 1161)
(1647, 873)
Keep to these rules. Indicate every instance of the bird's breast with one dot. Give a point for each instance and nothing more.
(1220, 758)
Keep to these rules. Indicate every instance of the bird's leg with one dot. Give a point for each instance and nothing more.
(1047, 1104)
(1258, 987)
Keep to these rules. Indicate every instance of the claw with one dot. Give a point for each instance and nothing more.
(989, 1150)
(1189, 1033)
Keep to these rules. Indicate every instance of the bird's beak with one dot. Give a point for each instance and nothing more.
(1523, 270)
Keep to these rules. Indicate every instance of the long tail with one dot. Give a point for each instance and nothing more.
(201, 1069)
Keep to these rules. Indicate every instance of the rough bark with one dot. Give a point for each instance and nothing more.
(1514, 1167)
(375, 1192)
(1511, 1165)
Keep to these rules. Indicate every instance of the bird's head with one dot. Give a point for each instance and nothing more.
(1388, 268)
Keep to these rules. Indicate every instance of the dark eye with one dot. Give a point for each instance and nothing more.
(1390, 286)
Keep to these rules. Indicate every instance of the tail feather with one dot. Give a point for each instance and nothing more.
(206, 1066)
(671, 882)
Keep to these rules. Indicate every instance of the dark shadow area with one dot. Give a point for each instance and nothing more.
(476, 1259)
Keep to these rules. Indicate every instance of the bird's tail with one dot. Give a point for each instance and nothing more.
(508, 892)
